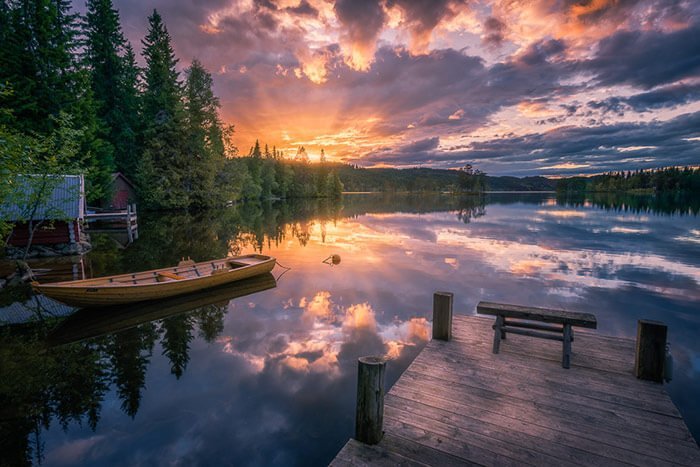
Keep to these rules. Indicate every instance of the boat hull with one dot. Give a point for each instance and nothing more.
(91, 292)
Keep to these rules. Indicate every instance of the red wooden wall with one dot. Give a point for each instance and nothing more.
(50, 233)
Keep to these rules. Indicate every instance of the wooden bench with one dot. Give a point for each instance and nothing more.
(523, 320)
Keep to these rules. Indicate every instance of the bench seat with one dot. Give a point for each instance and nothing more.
(526, 321)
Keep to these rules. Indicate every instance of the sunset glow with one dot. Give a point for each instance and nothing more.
(515, 88)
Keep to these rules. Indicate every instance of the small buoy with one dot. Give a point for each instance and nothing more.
(668, 365)
(333, 260)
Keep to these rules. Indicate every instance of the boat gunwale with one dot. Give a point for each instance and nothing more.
(97, 281)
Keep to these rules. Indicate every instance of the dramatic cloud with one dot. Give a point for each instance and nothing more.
(362, 21)
(442, 83)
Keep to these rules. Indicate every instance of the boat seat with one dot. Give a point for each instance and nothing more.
(163, 276)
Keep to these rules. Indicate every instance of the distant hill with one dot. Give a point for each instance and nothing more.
(424, 179)
(521, 184)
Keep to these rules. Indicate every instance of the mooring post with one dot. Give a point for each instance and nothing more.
(651, 350)
(369, 415)
(129, 233)
(442, 315)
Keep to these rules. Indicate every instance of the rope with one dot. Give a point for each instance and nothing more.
(286, 270)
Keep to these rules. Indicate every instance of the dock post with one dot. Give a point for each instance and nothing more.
(442, 315)
(651, 350)
(129, 234)
(369, 415)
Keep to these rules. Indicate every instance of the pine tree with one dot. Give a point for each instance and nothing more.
(38, 64)
(204, 142)
(160, 172)
(37, 61)
(113, 72)
(126, 134)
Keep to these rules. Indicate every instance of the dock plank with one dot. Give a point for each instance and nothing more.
(459, 404)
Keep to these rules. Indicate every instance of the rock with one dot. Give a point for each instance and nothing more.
(22, 266)
(17, 280)
(3, 283)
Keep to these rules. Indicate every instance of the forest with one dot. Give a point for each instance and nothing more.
(74, 100)
(666, 180)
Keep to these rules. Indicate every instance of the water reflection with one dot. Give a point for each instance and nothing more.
(270, 378)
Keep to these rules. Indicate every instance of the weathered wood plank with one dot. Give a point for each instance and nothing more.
(357, 454)
(566, 448)
(425, 454)
(548, 315)
(559, 395)
(459, 404)
(595, 427)
(516, 364)
(461, 443)
(445, 440)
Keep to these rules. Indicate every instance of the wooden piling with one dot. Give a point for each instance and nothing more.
(369, 415)
(442, 315)
(458, 404)
(651, 350)
(129, 233)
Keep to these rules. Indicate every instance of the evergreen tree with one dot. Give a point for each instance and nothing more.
(160, 172)
(113, 72)
(204, 142)
(126, 134)
(38, 63)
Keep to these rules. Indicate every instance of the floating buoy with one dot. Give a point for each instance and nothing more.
(333, 260)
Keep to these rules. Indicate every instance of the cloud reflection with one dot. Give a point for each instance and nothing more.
(315, 347)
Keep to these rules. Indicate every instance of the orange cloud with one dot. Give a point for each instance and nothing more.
(360, 316)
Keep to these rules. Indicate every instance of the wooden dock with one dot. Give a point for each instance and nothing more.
(115, 222)
(460, 404)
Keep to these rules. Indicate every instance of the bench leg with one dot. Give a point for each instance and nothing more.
(566, 358)
(503, 332)
(497, 334)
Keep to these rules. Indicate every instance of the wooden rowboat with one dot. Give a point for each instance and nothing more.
(184, 278)
(93, 322)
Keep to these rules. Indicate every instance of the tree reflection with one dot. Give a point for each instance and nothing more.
(679, 204)
(38, 386)
(471, 207)
(129, 355)
(177, 335)
(43, 383)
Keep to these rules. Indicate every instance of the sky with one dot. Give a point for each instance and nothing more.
(543, 87)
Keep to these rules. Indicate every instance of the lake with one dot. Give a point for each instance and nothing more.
(264, 373)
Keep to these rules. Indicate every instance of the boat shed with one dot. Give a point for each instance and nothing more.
(123, 193)
(60, 211)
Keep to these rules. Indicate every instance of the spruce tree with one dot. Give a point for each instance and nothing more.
(37, 61)
(161, 168)
(204, 142)
(38, 64)
(126, 134)
(113, 72)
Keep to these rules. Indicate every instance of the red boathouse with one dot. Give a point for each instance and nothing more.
(60, 214)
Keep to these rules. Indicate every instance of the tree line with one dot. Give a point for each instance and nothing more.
(665, 180)
(72, 82)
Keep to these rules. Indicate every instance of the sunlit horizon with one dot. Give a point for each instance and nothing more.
(537, 89)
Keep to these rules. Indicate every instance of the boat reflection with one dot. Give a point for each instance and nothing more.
(88, 323)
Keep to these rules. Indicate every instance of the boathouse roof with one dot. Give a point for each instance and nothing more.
(66, 200)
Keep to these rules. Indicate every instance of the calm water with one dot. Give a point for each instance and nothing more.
(264, 373)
